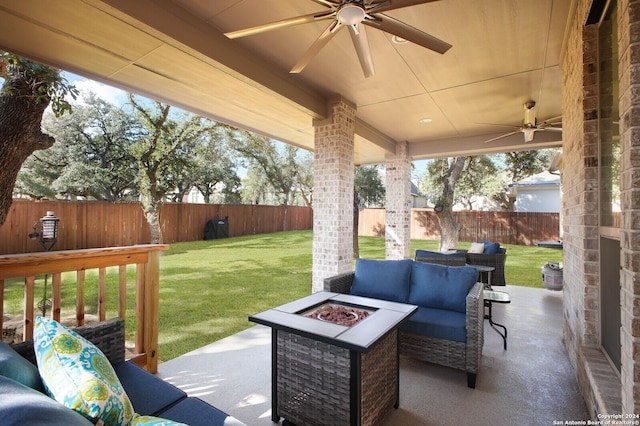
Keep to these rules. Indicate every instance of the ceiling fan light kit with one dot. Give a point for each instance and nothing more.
(355, 15)
(350, 14)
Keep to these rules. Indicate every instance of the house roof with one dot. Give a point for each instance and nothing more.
(543, 179)
(504, 54)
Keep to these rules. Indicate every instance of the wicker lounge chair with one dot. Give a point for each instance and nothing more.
(497, 261)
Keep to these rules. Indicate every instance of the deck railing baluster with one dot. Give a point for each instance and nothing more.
(55, 263)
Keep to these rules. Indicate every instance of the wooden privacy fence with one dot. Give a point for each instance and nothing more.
(92, 224)
(506, 227)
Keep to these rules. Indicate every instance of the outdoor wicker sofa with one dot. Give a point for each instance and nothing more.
(22, 400)
(447, 329)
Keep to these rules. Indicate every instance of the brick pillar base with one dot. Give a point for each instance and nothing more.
(333, 194)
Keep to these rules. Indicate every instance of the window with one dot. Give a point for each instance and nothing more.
(609, 119)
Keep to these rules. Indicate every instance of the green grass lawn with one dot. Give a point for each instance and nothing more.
(209, 288)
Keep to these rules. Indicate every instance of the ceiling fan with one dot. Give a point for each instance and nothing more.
(530, 124)
(355, 15)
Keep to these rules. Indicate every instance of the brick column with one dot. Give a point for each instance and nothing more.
(333, 194)
(629, 64)
(581, 282)
(398, 192)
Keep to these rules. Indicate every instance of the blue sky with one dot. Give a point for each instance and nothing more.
(119, 97)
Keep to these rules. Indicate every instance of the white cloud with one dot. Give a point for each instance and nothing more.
(110, 94)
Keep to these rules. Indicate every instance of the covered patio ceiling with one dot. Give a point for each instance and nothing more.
(504, 53)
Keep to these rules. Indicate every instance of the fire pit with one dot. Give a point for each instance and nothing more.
(334, 358)
(338, 313)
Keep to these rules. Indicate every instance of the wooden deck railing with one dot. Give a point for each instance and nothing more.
(147, 261)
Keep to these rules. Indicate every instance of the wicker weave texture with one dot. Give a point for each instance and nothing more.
(497, 261)
(339, 283)
(314, 381)
(439, 351)
(379, 380)
(107, 335)
(464, 356)
(442, 260)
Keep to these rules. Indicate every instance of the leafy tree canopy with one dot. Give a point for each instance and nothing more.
(28, 89)
(369, 186)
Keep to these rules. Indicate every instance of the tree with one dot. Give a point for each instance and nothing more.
(91, 156)
(213, 166)
(40, 171)
(304, 178)
(278, 163)
(444, 174)
(480, 178)
(369, 186)
(161, 150)
(28, 89)
(519, 165)
(369, 191)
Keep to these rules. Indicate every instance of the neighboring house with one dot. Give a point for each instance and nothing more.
(537, 193)
(418, 199)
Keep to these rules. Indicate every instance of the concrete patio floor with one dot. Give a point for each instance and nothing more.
(530, 383)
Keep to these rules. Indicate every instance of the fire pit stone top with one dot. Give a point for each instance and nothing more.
(383, 316)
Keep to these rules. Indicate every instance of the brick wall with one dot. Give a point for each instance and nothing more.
(398, 211)
(579, 180)
(629, 72)
(604, 391)
(333, 194)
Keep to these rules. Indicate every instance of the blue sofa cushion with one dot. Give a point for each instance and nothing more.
(491, 248)
(382, 279)
(441, 287)
(148, 394)
(196, 412)
(437, 323)
(15, 367)
(139, 420)
(21, 405)
(427, 253)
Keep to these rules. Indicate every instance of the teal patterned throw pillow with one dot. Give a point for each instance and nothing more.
(78, 375)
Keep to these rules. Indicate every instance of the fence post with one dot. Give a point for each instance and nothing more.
(152, 310)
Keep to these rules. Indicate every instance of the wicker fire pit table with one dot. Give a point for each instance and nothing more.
(334, 358)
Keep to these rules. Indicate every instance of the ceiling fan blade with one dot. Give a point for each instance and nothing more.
(385, 5)
(316, 47)
(361, 43)
(407, 32)
(319, 16)
(328, 3)
(500, 137)
(550, 122)
(553, 129)
(501, 125)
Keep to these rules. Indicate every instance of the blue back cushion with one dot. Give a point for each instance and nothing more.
(15, 367)
(441, 287)
(491, 248)
(382, 279)
(22, 405)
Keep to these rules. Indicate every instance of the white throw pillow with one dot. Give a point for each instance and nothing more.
(476, 248)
